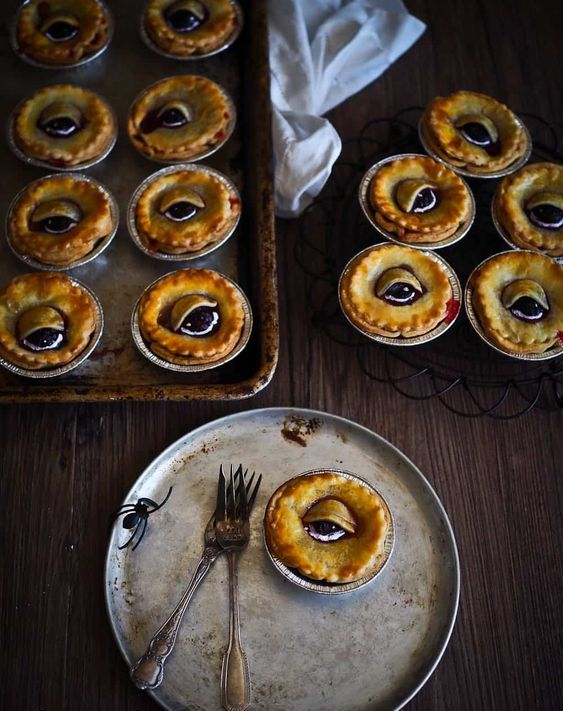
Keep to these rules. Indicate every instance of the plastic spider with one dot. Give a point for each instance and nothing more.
(137, 515)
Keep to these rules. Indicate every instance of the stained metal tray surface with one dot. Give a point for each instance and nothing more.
(116, 370)
(370, 649)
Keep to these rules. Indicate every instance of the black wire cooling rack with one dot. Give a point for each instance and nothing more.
(468, 377)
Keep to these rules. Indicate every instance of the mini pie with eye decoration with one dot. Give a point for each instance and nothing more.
(396, 291)
(473, 131)
(327, 526)
(419, 199)
(191, 316)
(61, 32)
(529, 206)
(180, 118)
(190, 27)
(185, 210)
(518, 299)
(59, 219)
(46, 320)
(64, 125)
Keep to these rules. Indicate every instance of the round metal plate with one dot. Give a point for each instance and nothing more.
(192, 365)
(190, 58)
(43, 65)
(295, 642)
(363, 196)
(512, 168)
(63, 369)
(185, 256)
(332, 588)
(98, 249)
(552, 352)
(441, 328)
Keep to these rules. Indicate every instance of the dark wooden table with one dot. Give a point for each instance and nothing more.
(64, 468)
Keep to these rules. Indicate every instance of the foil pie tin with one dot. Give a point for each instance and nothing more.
(324, 588)
(184, 256)
(512, 168)
(553, 352)
(99, 247)
(193, 57)
(43, 65)
(192, 365)
(437, 331)
(80, 358)
(363, 196)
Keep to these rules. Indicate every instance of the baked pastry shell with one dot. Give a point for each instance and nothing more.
(191, 57)
(363, 196)
(325, 588)
(80, 358)
(513, 167)
(43, 65)
(192, 365)
(553, 352)
(183, 256)
(98, 249)
(441, 328)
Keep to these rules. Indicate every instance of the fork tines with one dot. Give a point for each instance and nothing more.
(236, 500)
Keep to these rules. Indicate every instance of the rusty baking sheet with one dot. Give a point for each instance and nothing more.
(116, 370)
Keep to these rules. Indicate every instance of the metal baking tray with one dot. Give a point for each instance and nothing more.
(116, 370)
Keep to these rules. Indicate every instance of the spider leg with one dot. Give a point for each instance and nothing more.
(142, 532)
(159, 506)
(130, 539)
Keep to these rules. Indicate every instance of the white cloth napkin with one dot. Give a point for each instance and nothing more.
(322, 52)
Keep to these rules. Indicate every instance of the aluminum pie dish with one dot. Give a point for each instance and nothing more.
(192, 365)
(513, 167)
(437, 331)
(100, 246)
(322, 587)
(191, 57)
(183, 256)
(553, 352)
(80, 358)
(43, 65)
(363, 196)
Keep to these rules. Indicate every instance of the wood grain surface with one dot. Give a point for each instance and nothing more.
(65, 468)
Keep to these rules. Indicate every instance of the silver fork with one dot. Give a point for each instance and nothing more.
(233, 533)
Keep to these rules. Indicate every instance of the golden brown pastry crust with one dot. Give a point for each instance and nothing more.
(209, 37)
(93, 28)
(372, 314)
(453, 207)
(211, 117)
(447, 142)
(47, 289)
(157, 301)
(159, 233)
(510, 202)
(87, 144)
(341, 561)
(95, 224)
(502, 327)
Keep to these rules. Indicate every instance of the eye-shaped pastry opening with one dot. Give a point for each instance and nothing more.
(61, 120)
(398, 286)
(195, 315)
(526, 300)
(416, 195)
(173, 114)
(186, 15)
(41, 328)
(181, 204)
(545, 210)
(329, 520)
(479, 130)
(55, 217)
(60, 27)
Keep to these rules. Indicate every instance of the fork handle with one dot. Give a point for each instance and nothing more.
(148, 671)
(235, 675)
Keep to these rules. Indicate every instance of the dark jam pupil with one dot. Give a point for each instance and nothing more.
(43, 339)
(181, 211)
(325, 527)
(173, 118)
(61, 127)
(526, 309)
(200, 322)
(61, 31)
(550, 217)
(424, 201)
(183, 20)
(476, 133)
(57, 224)
(401, 294)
